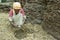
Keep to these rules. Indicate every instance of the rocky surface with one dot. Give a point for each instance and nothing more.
(34, 12)
(51, 18)
(46, 12)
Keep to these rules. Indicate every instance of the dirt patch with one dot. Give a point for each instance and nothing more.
(31, 32)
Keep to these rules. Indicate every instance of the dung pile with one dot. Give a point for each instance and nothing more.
(51, 18)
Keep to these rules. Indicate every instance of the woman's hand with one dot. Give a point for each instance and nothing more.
(10, 19)
(24, 17)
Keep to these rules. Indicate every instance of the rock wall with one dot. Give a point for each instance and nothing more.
(5, 6)
(51, 18)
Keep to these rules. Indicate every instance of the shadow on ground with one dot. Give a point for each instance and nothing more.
(20, 34)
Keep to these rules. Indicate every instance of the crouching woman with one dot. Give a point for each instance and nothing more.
(16, 15)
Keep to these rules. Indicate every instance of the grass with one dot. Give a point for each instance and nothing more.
(31, 32)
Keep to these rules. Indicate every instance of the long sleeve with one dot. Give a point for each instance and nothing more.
(11, 13)
(22, 11)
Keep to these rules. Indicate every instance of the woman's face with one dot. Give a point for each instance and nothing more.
(16, 10)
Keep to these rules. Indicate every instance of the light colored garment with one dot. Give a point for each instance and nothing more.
(18, 19)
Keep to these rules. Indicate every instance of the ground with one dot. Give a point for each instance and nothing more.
(28, 32)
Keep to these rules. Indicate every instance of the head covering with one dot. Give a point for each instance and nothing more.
(16, 5)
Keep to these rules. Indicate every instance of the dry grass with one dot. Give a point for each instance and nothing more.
(31, 32)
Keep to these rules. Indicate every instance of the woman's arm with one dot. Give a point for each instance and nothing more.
(10, 15)
(23, 13)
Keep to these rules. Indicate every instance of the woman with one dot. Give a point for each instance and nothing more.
(17, 15)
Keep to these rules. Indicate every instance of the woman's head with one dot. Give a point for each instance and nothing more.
(16, 6)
